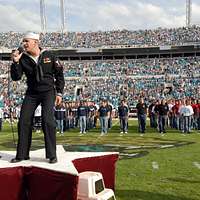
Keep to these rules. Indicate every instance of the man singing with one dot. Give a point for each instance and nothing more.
(45, 84)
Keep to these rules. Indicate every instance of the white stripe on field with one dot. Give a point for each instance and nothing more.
(196, 164)
(114, 124)
(155, 165)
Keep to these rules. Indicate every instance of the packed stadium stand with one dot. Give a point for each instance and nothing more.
(118, 64)
(115, 38)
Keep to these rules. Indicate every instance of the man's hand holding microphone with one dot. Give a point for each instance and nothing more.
(17, 54)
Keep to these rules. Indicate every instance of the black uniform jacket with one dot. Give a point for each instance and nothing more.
(42, 76)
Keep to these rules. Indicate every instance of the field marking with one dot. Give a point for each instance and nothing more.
(115, 123)
(167, 146)
(155, 165)
(196, 164)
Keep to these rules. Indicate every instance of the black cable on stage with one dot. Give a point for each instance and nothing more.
(10, 108)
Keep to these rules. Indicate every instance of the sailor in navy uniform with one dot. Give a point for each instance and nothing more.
(45, 84)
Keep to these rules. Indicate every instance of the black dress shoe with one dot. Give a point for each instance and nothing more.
(16, 160)
(53, 160)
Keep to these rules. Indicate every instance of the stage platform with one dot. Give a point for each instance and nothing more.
(36, 179)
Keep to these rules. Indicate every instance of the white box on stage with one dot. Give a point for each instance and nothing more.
(91, 187)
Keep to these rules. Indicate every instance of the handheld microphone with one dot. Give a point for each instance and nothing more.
(20, 49)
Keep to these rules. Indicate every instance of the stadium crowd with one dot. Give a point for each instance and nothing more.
(149, 78)
(115, 80)
(169, 78)
(152, 80)
(135, 67)
(116, 38)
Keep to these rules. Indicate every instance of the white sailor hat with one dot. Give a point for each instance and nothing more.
(32, 35)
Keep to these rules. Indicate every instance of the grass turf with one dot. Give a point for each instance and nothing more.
(175, 178)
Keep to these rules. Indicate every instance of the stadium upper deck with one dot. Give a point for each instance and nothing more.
(115, 38)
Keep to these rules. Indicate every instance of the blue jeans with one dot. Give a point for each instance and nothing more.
(153, 120)
(198, 122)
(82, 123)
(187, 123)
(124, 123)
(60, 125)
(104, 124)
(171, 118)
(194, 122)
(162, 122)
(142, 123)
(178, 122)
(181, 123)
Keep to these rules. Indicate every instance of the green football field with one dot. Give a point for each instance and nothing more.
(151, 167)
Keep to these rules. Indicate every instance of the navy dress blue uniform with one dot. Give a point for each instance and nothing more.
(44, 79)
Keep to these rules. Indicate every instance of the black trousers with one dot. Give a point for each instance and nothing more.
(29, 105)
(1, 121)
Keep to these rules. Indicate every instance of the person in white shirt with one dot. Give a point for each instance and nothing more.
(187, 111)
(181, 118)
(170, 114)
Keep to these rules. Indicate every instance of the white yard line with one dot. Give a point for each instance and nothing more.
(155, 165)
(115, 123)
(196, 164)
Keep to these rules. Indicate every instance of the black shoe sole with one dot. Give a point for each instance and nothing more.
(16, 160)
(53, 160)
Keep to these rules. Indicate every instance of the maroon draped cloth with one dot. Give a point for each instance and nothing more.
(105, 164)
(11, 183)
(32, 183)
(43, 184)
